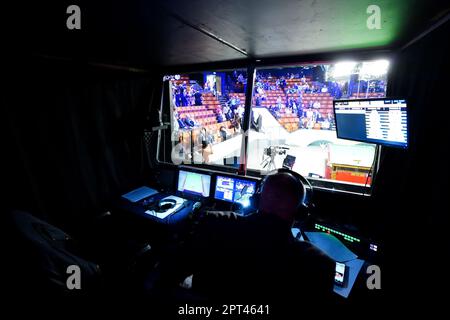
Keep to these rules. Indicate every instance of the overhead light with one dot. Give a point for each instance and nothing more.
(374, 68)
(342, 69)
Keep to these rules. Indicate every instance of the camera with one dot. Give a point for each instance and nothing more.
(269, 154)
(274, 150)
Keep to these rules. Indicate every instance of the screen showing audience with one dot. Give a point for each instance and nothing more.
(380, 121)
(194, 183)
(234, 190)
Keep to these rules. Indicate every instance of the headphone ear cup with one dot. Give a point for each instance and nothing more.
(254, 200)
(302, 211)
(160, 207)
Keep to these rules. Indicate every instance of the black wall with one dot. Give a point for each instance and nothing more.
(73, 137)
(412, 188)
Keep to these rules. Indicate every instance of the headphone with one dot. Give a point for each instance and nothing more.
(162, 205)
(165, 204)
(305, 202)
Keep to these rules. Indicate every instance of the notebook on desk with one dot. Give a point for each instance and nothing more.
(139, 194)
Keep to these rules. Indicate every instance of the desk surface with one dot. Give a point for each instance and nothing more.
(138, 209)
(337, 251)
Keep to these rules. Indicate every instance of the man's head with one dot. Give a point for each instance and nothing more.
(280, 196)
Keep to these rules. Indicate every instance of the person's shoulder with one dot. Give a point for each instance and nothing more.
(220, 215)
(217, 222)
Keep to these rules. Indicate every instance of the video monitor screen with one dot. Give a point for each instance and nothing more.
(379, 121)
(339, 277)
(194, 183)
(234, 190)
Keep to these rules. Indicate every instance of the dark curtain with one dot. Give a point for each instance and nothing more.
(73, 137)
(412, 187)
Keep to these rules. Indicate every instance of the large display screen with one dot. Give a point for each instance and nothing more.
(380, 121)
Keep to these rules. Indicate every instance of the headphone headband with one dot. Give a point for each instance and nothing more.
(301, 181)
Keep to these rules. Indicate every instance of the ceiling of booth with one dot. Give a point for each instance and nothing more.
(174, 32)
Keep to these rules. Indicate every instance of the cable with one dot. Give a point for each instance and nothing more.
(375, 156)
(183, 205)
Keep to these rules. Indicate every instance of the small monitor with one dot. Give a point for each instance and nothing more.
(288, 162)
(232, 189)
(340, 274)
(379, 121)
(193, 183)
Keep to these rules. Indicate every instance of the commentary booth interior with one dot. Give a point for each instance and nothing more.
(129, 138)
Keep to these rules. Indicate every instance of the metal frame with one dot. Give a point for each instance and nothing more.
(251, 65)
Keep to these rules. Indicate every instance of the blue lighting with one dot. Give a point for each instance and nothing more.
(245, 203)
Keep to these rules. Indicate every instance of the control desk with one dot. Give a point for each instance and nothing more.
(206, 190)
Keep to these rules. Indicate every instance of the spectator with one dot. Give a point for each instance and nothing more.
(325, 124)
(316, 105)
(255, 124)
(258, 100)
(310, 118)
(283, 83)
(240, 111)
(178, 94)
(181, 124)
(190, 122)
(206, 141)
(236, 123)
(223, 133)
(240, 78)
(317, 116)
(233, 103)
(198, 98)
(183, 93)
(290, 103)
(175, 117)
(330, 119)
(299, 101)
(227, 112)
(279, 102)
(220, 117)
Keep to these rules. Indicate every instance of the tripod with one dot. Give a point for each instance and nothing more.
(269, 161)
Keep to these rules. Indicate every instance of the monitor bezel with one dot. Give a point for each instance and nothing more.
(377, 143)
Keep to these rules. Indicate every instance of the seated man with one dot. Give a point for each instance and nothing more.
(256, 258)
(190, 122)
